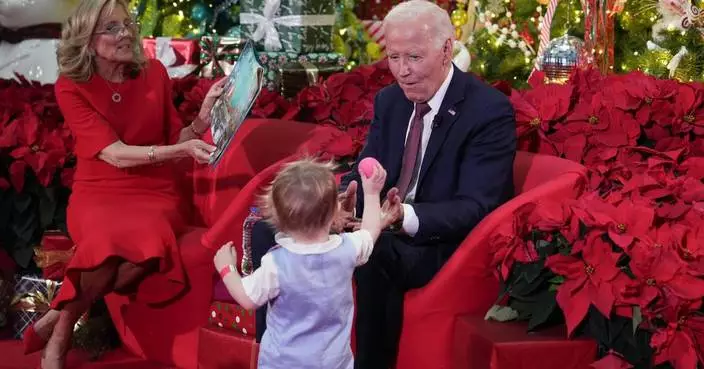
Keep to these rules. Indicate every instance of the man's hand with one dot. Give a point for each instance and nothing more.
(391, 209)
(345, 213)
(391, 212)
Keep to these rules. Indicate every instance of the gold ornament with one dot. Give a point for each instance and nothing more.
(543, 2)
(458, 33)
(459, 17)
(373, 51)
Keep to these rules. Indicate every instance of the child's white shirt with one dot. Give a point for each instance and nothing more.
(263, 284)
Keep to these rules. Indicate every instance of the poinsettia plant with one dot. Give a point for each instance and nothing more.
(36, 166)
(624, 262)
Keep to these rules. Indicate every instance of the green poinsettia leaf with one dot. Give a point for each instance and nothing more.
(545, 312)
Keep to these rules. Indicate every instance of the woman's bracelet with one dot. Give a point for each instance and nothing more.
(192, 126)
(151, 153)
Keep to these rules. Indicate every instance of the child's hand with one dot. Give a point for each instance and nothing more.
(227, 255)
(374, 182)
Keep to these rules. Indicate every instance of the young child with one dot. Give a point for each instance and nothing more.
(307, 277)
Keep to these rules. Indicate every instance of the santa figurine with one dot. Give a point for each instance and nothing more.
(29, 35)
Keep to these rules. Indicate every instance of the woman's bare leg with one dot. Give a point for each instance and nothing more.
(93, 284)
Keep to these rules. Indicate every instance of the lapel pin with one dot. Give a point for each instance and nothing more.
(452, 112)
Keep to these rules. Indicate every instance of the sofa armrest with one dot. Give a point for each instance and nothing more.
(466, 283)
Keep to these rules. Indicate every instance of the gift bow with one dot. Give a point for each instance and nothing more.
(266, 23)
(36, 301)
(46, 258)
(164, 52)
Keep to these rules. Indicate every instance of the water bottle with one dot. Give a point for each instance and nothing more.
(253, 217)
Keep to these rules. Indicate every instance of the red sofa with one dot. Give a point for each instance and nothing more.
(465, 285)
(169, 334)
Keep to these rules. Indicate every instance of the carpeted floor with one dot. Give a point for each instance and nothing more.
(11, 357)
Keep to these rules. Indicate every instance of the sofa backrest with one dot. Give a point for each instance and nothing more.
(258, 144)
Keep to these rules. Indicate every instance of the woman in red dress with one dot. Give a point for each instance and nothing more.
(125, 211)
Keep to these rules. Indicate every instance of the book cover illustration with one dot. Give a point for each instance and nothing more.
(239, 94)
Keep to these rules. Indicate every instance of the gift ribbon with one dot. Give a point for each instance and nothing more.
(311, 72)
(36, 301)
(46, 258)
(164, 52)
(266, 23)
(213, 48)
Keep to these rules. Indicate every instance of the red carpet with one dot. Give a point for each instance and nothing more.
(11, 357)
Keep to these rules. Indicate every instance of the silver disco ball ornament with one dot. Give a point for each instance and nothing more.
(561, 57)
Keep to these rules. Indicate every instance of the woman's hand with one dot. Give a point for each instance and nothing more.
(212, 95)
(197, 149)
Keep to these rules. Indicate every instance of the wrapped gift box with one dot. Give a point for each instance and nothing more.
(480, 344)
(180, 56)
(295, 76)
(273, 63)
(219, 348)
(53, 254)
(226, 314)
(299, 26)
(218, 54)
(32, 298)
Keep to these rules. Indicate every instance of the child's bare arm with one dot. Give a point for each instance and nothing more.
(372, 185)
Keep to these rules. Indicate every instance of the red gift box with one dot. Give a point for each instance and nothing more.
(185, 51)
(230, 316)
(481, 344)
(53, 254)
(222, 349)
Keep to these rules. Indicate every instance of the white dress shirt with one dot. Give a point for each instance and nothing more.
(410, 219)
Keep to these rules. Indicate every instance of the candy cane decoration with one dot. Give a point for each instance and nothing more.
(545, 30)
(375, 31)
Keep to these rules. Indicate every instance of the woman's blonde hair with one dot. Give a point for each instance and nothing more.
(302, 197)
(75, 59)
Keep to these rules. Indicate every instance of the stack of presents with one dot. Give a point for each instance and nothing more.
(294, 42)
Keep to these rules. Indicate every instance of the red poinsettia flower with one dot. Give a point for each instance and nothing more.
(536, 111)
(623, 223)
(659, 272)
(638, 92)
(588, 280)
(602, 124)
(681, 342)
(39, 148)
(686, 114)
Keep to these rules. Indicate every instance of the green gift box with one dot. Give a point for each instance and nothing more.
(298, 26)
(274, 62)
(297, 75)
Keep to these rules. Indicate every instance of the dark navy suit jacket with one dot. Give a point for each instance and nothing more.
(467, 170)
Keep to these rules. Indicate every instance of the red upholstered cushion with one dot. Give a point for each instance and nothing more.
(479, 344)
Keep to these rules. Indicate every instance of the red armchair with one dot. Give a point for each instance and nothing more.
(169, 334)
(465, 285)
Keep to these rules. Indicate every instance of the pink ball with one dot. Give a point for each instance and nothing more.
(367, 167)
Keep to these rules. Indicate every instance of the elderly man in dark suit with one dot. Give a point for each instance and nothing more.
(447, 141)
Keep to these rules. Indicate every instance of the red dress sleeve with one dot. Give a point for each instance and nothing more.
(91, 131)
(174, 124)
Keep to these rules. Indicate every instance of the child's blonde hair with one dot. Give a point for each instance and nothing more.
(302, 197)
